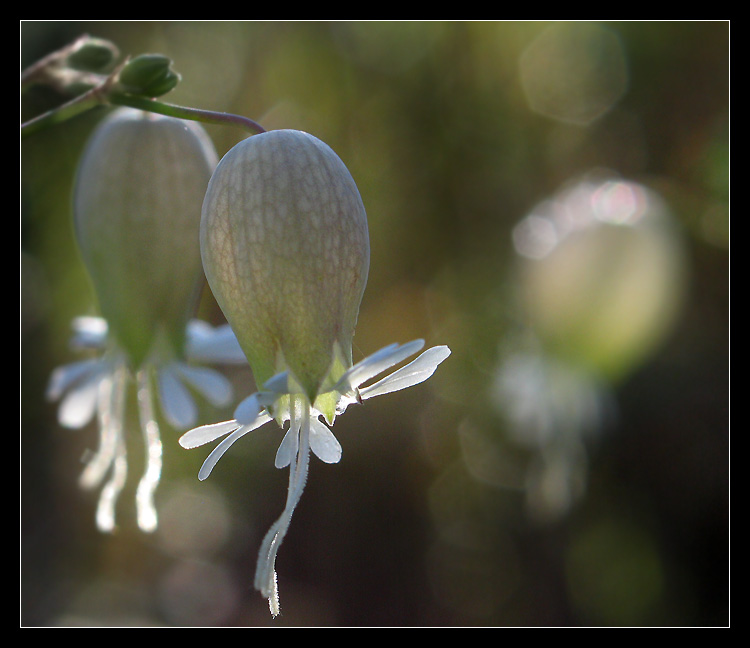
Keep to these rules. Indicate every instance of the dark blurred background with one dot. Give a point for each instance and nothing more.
(567, 465)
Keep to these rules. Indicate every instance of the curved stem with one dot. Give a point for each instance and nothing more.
(101, 96)
(97, 95)
(104, 90)
(183, 112)
(62, 113)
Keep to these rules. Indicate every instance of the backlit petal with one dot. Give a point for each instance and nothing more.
(79, 403)
(213, 385)
(378, 362)
(412, 374)
(207, 433)
(176, 401)
(323, 443)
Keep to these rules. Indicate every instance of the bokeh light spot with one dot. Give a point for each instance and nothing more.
(574, 72)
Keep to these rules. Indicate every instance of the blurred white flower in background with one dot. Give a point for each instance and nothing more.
(138, 193)
(601, 278)
(96, 388)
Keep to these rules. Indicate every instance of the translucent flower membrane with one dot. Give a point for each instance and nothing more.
(285, 249)
(137, 200)
(95, 388)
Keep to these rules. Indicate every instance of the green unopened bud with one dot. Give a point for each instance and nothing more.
(285, 249)
(92, 55)
(138, 195)
(149, 75)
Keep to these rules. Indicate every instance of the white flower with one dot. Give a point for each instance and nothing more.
(306, 431)
(269, 404)
(96, 387)
(137, 204)
(285, 249)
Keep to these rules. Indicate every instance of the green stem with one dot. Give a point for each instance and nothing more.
(183, 112)
(68, 110)
(92, 99)
(105, 90)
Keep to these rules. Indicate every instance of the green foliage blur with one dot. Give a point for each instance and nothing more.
(439, 513)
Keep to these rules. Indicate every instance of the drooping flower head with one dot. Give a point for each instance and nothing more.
(137, 200)
(138, 192)
(285, 249)
(286, 252)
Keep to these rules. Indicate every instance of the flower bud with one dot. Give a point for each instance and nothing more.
(149, 75)
(285, 249)
(137, 200)
(92, 54)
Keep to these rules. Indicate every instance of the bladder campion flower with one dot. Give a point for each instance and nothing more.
(137, 200)
(285, 249)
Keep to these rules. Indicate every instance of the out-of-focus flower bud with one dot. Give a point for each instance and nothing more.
(138, 195)
(92, 54)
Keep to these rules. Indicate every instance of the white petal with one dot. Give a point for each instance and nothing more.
(209, 344)
(288, 447)
(64, 376)
(79, 404)
(352, 376)
(279, 383)
(218, 430)
(323, 443)
(378, 362)
(179, 408)
(207, 433)
(213, 385)
(89, 332)
(219, 450)
(412, 374)
(248, 410)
